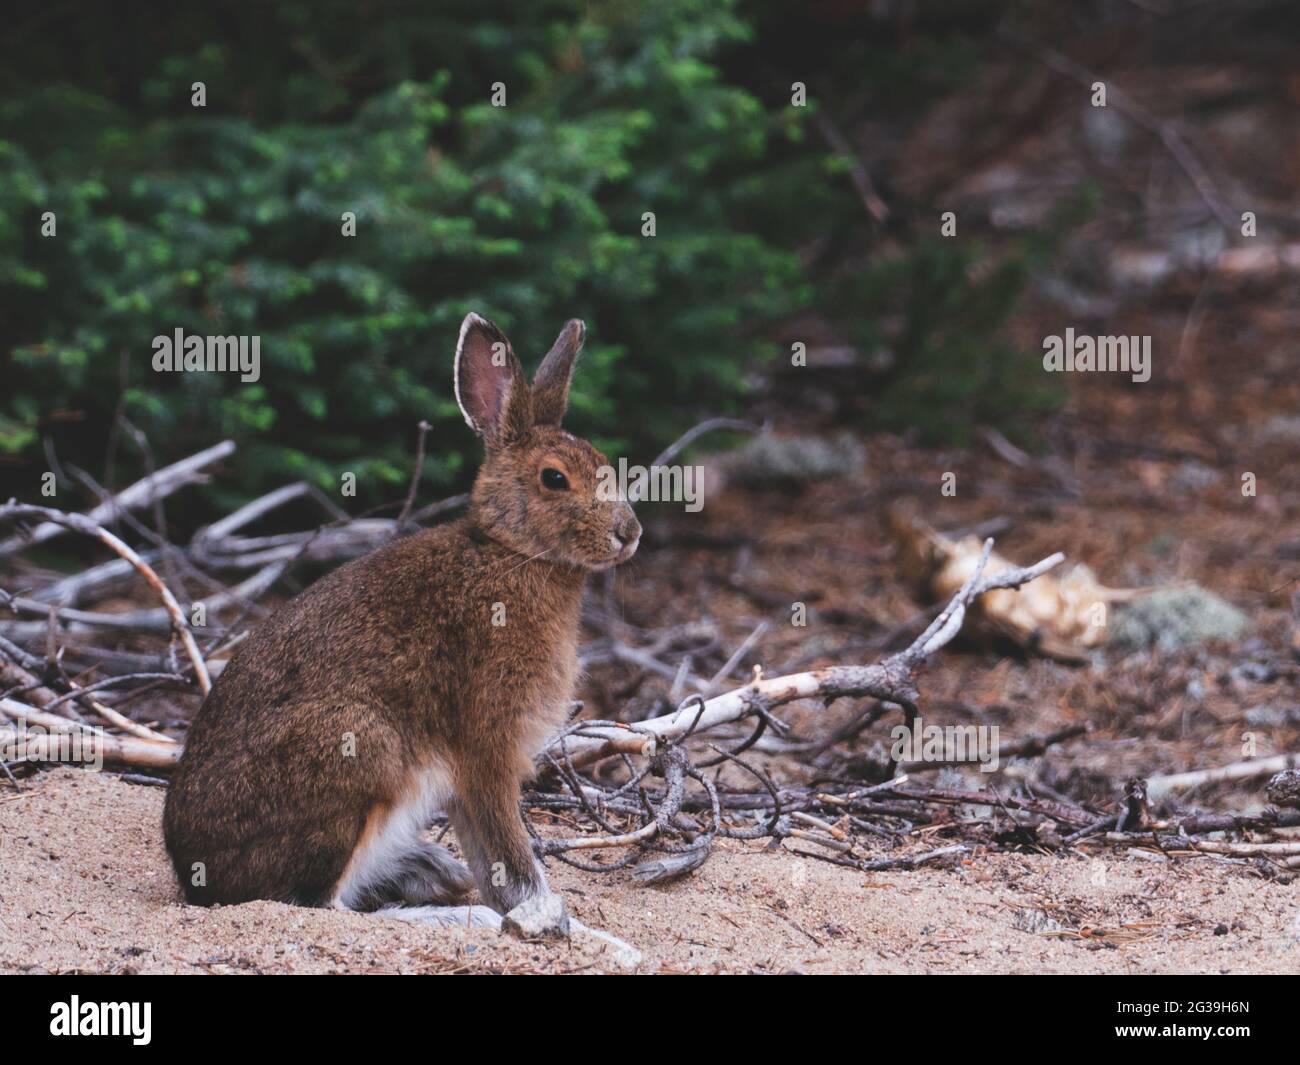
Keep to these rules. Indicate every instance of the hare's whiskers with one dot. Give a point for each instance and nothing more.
(525, 562)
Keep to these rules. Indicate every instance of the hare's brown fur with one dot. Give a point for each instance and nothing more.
(385, 692)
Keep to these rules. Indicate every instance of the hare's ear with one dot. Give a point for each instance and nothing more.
(490, 384)
(551, 382)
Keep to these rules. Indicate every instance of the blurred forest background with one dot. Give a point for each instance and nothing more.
(226, 219)
(776, 223)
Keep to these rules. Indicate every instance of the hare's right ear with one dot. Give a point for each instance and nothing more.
(490, 384)
(551, 382)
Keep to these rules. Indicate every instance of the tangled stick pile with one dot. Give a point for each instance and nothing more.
(642, 789)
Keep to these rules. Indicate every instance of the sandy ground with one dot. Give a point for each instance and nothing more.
(85, 886)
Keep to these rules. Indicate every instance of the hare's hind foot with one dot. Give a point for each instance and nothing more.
(606, 947)
(463, 916)
(432, 876)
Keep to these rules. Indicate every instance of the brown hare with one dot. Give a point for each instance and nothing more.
(423, 677)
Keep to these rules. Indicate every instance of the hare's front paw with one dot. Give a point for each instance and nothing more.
(544, 916)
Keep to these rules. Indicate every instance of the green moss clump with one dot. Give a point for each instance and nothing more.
(1175, 617)
(768, 459)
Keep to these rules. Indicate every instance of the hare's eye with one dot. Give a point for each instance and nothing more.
(554, 479)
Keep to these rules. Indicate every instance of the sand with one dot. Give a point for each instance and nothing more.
(85, 886)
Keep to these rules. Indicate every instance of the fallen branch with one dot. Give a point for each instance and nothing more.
(16, 670)
(1159, 787)
(253, 510)
(140, 494)
(45, 747)
(83, 524)
(878, 865)
(892, 680)
(416, 473)
(1209, 846)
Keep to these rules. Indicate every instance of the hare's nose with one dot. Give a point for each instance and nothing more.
(626, 527)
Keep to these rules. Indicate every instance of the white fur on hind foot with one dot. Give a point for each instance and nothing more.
(544, 916)
(464, 916)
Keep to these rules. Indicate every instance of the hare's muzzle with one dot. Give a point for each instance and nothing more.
(625, 533)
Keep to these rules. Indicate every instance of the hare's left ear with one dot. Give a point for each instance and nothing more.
(551, 382)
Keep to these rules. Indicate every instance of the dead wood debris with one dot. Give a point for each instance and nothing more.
(653, 790)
